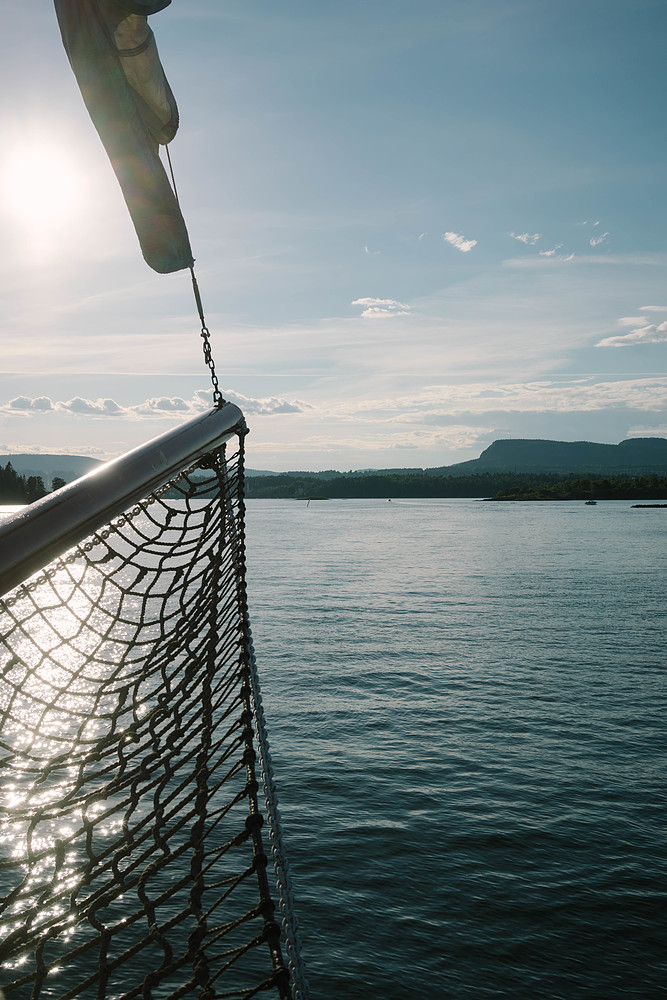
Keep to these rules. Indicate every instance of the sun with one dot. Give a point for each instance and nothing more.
(40, 187)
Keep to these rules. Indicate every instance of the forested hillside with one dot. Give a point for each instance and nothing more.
(16, 489)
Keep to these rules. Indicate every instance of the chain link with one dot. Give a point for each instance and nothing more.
(206, 338)
(208, 360)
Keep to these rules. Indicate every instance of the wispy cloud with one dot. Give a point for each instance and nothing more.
(595, 241)
(422, 236)
(530, 239)
(632, 321)
(584, 394)
(156, 406)
(460, 242)
(377, 308)
(643, 431)
(552, 252)
(372, 253)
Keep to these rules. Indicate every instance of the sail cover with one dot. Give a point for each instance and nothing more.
(114, 58)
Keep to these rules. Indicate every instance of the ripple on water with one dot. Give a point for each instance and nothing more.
(466, 705)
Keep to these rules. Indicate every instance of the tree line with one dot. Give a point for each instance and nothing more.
(651, 487)
(17, 489)
(495, 485)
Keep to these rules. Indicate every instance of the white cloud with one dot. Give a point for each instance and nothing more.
(422, 235)
(593, 260)
(642, 432)
(378, 308)
(90, 407)
(631, 320)
(268, 406)
(26, 403)
(372, 253)
(650, 334)
(157, 406)
(595, 241)
(385, 439)
(479, 399)
(530, 239)
(641, 332)
(552, 252)
(460, 242)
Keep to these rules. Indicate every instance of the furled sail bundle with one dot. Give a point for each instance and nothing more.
(114, 57)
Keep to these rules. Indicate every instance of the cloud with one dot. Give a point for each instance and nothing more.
(156, 406)
(422, 235)
(595, 241)
(530, 239)
(641, 332)
(377, 308)
(460, 242)
(26, 403)
(479, 399)
(631, 320)
(90, 407)
(170, 403)
(650, 334)
(267, 406)
(642, 432)
(372, 253)
(594, 260)
(545, 258)
(384, 440)
(552, 252)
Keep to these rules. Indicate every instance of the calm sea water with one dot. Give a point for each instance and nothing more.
(467, 710)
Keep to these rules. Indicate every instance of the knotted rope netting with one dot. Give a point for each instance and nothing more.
(132, 749)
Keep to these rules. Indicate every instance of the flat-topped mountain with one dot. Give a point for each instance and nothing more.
(635, 455)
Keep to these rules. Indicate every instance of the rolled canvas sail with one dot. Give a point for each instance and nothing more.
(114, 58)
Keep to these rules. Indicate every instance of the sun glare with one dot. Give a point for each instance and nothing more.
(40, 187)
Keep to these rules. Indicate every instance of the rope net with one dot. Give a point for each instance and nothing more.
(132, 746)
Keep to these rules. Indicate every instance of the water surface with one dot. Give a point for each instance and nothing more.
(466, 702)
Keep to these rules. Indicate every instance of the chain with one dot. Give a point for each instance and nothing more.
(205, 334)
(206, 338)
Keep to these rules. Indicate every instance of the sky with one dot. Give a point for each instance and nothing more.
(419, 226)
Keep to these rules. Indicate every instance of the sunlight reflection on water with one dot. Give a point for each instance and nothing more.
(122, 728)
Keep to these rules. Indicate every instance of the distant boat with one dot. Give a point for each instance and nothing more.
(591, 503)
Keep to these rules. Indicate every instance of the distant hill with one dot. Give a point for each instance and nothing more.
(67, 467)
(640, 456)
(635, 455)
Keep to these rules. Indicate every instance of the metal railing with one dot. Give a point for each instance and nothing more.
(42, 531)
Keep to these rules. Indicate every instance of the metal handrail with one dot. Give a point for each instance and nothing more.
(42, 531)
